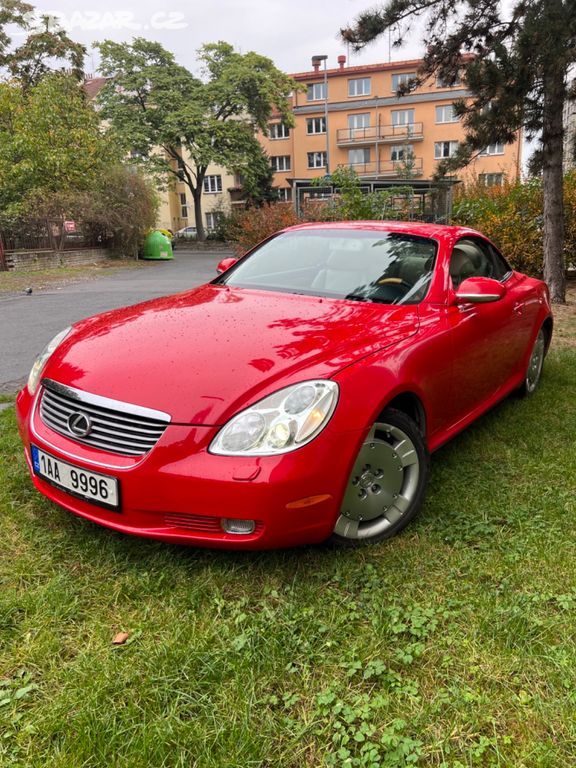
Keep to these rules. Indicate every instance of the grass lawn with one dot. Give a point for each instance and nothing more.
(452, 645)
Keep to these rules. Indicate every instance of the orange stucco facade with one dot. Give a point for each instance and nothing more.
(372, 129)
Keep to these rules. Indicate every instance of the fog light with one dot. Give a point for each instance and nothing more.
(233, 525)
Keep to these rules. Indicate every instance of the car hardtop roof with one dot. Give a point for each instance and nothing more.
(436, 231)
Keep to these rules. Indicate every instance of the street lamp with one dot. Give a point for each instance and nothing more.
(316, 63)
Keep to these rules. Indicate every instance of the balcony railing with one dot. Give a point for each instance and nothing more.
(400, 168)
(386, 133)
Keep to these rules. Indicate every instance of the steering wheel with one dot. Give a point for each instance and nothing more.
(390, 289)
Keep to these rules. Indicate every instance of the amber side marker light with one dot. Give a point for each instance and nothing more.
(309, 501)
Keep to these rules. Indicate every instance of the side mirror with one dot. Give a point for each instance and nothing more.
(225, 264)
(479, 290)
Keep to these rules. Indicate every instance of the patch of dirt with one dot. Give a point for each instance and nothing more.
(21, 281)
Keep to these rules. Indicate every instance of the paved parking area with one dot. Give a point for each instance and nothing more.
(27, 323)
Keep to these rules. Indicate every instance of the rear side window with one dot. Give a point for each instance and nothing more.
(473, 257)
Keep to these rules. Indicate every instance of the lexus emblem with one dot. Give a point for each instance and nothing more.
(79, 424)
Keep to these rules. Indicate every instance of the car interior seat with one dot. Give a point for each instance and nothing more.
(344, 271)
(462, 263)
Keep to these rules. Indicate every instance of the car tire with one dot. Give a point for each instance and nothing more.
(535, 364)
(387, 483)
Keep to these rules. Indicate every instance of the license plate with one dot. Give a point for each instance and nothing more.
(91, 486)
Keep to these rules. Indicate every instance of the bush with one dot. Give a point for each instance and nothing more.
(511, 216)
(248, 227)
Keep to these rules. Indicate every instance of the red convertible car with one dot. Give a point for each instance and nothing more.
(295, 398)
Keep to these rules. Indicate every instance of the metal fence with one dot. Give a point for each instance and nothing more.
(47, 235)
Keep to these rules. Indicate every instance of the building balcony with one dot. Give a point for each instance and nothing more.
(391, 134)
(388, 168)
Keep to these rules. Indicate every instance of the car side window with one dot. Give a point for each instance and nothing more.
(476, 258)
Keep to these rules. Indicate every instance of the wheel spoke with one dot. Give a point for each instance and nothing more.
(407, 452)
(401, 504)
(393, 515)
(346, 527)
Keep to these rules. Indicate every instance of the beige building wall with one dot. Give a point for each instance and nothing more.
(176, 209)
(370, 128)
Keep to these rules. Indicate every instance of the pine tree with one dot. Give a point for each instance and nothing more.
(515, 61)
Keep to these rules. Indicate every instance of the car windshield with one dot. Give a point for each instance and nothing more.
(360, 265)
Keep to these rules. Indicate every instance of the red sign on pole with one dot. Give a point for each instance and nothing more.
(69, 226)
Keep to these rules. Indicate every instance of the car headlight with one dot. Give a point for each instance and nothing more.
(42, 359)
(280, 423)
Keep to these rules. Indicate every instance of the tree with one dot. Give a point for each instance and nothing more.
(257, 178)
(51, 143)
(515, 65)
(45, 48)
(122, 207)
(177, 124)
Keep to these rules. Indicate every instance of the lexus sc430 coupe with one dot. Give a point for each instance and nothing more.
(295, 398)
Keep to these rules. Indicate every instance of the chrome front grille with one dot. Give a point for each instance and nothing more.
(110, 425)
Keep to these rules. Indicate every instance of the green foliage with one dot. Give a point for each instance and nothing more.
(51, 143)
(155, 104)
(46, 46)
(511, 215)
(257, 177)
(351, 203)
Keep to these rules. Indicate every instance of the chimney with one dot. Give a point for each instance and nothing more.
(341, 61)
(315, 64)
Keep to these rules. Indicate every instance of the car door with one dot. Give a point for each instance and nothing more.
(488, 340)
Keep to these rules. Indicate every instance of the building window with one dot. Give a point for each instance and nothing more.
(181, 167)
(213, 218)
(399, 81)
(361, 120)
(316, 92)
(402, 117)
(284, 194)
(280, 163)
(493, 149)
(443, 149)
(446, 114)
(491, 179)
(316, 159)
(359, 87)
(401, 152)
(183, 206)
(358, 156)
(441, 83)
(316, 125)
(213, 184)
(278, 131)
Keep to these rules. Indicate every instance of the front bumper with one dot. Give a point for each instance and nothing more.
(179, 492)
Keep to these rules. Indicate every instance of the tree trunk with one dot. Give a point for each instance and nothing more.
(200, 231)
(553, 180)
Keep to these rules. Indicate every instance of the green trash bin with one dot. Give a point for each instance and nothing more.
(157, 246)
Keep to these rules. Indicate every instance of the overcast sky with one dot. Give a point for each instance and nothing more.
(288, 31)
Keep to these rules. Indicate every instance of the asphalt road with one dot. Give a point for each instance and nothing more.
(27, 323)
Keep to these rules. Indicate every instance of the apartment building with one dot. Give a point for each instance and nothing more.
(353, 117)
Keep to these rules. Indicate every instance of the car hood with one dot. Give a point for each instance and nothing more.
(203, 355)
